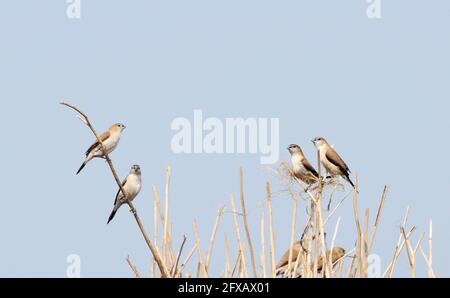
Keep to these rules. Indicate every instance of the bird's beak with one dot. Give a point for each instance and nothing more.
(124, 127)
(313, 141)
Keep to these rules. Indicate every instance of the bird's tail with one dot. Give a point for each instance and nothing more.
(350, 181)
(82, 166)
(113, 212)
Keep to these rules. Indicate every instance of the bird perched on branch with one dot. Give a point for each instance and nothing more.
(131, 186)
(110, 139)
(301, 168)
(332, 162)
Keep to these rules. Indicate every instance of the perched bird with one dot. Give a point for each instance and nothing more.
(336, 254)
(281, 269)
(332, 162)
(131, 186)
(282, 266)
(109, 140)
(302, 169)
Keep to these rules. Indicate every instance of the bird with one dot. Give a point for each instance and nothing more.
(110, 139)
(281, 267)
(131, 186)
(337, 253)
(301, 168)
(332, 162)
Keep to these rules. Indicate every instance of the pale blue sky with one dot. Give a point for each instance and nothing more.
(377, 89)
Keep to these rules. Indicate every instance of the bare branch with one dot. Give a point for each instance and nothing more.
(156, 256)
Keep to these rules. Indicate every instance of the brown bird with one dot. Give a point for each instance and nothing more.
(332, 162)
(282, 265)
(281, 269)
(110, 139)
(301, 168)
(336, 254)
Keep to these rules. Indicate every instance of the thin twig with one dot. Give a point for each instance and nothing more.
(133, 267)
(271, 232)
(202, 269)
(213, 236)
(238, 236)
(244, 218)
(175, 267)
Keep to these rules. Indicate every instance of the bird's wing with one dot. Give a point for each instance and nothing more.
(309, 167)
(335, 159)
(285, 258)
(103, 137)
(118, 192)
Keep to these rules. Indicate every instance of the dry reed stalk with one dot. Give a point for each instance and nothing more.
(155, 226)
(430, 247)
(201, 270)
(319, 218)
(155, 253)
(410, 253)
(133, 267)
(271, 232)
(166, 215)
(326, 267)
(333, 241)
(244, 219)
(238, 236)
(377, 218)
(316, 242)
(175, 267)
(213, 236)
(301, 255)
(429, 258)
(339, 270)
(158, 204)
(330, 215)
(263, 246)
(398, 249)
(293, 224)
(170, 252)
(236, 263)
(307, 271)
(419, 243)
(358, 228)
(350, 266)
(366, 243)
(186, 260)
(227, 258)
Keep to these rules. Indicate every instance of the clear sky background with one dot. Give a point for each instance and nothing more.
(377, 89)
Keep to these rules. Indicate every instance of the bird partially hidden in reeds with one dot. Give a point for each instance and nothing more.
(282, 267)
(333, 163)
(109, 140)
(301, 168)
(131, 186)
